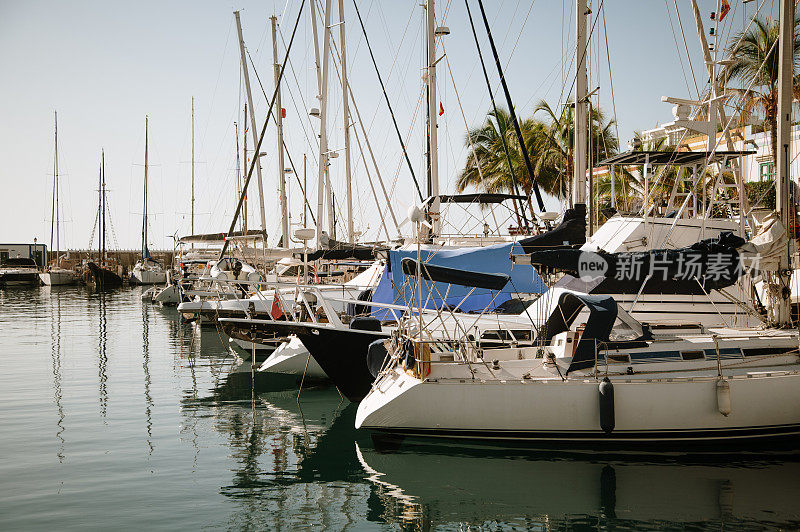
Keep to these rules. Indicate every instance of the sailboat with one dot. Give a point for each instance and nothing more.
(606, 380)
(147, 270)
(100, 274)
(56, 273)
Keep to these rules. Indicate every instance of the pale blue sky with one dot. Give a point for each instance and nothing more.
(104, 65)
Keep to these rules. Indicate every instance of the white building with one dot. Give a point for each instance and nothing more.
(37, 252)
(755, 167)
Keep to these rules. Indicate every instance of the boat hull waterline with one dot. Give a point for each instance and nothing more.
(764, 406)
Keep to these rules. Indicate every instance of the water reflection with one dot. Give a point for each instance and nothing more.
(102, 358)
(435, 485)
(148, 399)
(55, 355)
(248, 457)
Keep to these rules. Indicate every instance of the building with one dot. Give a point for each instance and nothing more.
(37, 252)
(755, 167)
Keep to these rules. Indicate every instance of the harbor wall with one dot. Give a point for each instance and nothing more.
(125, 257)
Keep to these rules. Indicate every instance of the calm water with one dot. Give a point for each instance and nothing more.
(114, 414)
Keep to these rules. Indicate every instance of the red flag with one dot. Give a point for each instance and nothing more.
(276, 311)
(441, 109)
(723, 9)
(283, 112)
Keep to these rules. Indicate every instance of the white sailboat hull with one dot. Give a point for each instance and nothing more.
(291, 358)
(170, 295)
(148, 276)
(763, 404)
(58, 277)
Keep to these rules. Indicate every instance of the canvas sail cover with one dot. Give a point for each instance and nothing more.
(710, 264)
(443, 274)
(495, 259)
(570, 232)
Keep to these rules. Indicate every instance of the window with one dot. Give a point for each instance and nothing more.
(619, 358)
(692, 355)
(765, 171)
(3, 255)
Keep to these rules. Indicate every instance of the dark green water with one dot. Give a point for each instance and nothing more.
(114, 415)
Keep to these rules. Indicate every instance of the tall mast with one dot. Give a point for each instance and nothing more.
(253, 128)
(279, 115)
(581, 123)
(192, 230)
(346, 113)
(244, 205)
(323, 134)
(433, 145)
(54, 218)
(238, 164)
(103, 201)
(144, 201)
(99, 211)
(783, 205)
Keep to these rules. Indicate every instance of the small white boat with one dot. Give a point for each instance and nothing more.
(292, 358)
(148, 271)
(19, 272)
(229, 269)
(59, 276)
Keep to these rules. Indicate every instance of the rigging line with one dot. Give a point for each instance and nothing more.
(275, 120)
(263, 131)
(394, 59)
(216, 85)
(677, 47)
(496, 116)
(315, 145)
(300, 183)
(516, 42)
(415, 115)
(511, 111)
(685, 45)
(352, 120)
(610, 77)
(585, 48)
(391, 112)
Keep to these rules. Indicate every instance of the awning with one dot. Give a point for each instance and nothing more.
(483, 198)
(671, 158)
(220, 237)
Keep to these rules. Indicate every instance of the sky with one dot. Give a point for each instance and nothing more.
(104, 66)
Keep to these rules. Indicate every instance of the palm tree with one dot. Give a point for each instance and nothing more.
(755, 62)
(487, 166)
(626, 192)
(554, 148)
(549, 145)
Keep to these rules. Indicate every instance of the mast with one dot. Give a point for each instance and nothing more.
(244, 205)
(54, 218)
(346, 113)
(99, 211)
(144, 208)
(783, 204)
(238, 162)
(103, 202)
(323, 134)
(433, 144)
(253, 128)
(279, 120)
(192, 230)
(581, 124)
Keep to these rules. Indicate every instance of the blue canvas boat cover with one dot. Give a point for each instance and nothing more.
(395, 287)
